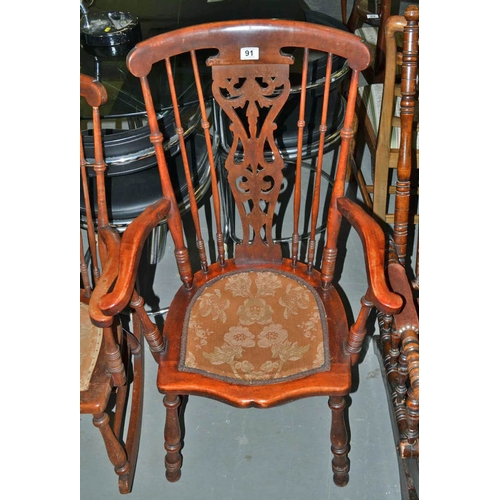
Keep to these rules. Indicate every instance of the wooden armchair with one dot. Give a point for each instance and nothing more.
(111, 362)
(395, 149)
(266, 324)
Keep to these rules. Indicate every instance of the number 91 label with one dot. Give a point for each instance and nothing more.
(249, 53)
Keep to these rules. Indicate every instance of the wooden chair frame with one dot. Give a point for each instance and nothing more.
(116, 383)
(250, 73)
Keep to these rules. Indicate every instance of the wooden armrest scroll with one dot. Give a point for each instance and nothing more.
(110, 238)
(132, 243)
(373, 240)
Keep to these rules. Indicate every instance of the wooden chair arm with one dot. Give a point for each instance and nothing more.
(406, 322)
(373, 240)
(110, 238)
(132, 243)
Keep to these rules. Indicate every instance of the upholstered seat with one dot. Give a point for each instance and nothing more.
(234, 329)
(231, 334)
(90, 345)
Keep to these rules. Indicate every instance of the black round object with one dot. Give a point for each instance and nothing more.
(128, 195)
(129, 151)
(109, 34)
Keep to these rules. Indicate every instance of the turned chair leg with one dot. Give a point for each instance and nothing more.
(116, 452)
(173, 458)
(339, 440)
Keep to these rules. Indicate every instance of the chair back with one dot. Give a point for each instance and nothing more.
(243, 69)
(95, 95)
(408, 145)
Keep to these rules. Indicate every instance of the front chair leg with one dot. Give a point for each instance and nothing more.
(339, 440)
(116, 451)
(173, 458)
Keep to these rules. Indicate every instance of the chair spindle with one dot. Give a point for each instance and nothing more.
(174, 219)
(213, 172)
(298, 170)
(334, 216)
(319, 166)
(200, 244)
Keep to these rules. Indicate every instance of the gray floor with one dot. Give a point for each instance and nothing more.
(280, 453)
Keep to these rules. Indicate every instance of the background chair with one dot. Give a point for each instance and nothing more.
(398, 341)
(111, 360)
(111, 366)
(399, 357)
(366, 20)
(382, 109)
(265, 325)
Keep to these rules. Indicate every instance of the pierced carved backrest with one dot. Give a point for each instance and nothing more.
(95, 95)
(249, 70)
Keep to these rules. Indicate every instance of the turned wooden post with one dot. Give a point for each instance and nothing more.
(173, 458)
(408, 103)
(116, 452)
(339, 440)
(114, 362)
(153, 336)
(357, 332)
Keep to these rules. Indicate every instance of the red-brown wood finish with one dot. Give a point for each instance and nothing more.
(119, 361)
(251, 92)
(399, 333)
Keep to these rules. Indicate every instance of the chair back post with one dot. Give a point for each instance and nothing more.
(174, 218)
(334, 216)
(407, 111)
(95, 96)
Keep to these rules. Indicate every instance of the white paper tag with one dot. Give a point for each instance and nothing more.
(249, 53)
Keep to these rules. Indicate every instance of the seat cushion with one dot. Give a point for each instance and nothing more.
(90, 344)
(254, 327)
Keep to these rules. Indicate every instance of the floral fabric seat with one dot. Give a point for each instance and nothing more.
(234, 329)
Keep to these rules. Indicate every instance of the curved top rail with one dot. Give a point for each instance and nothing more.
(93, 91)
(269, 35)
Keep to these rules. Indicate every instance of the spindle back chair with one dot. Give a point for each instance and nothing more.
(388, 120)
(398, 341)
(399, 334)
(111, 366)
(265, 325)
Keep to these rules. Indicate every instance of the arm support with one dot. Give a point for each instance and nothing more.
(406, 322)
(111, 240)
(373, 240)
(132, 243)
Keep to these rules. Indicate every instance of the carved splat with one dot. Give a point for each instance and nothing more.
(252, 96)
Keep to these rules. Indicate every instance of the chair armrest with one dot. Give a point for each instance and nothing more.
(132, 243)
(407, 317)
(110, 238)
(373, 240)
(406, 322)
